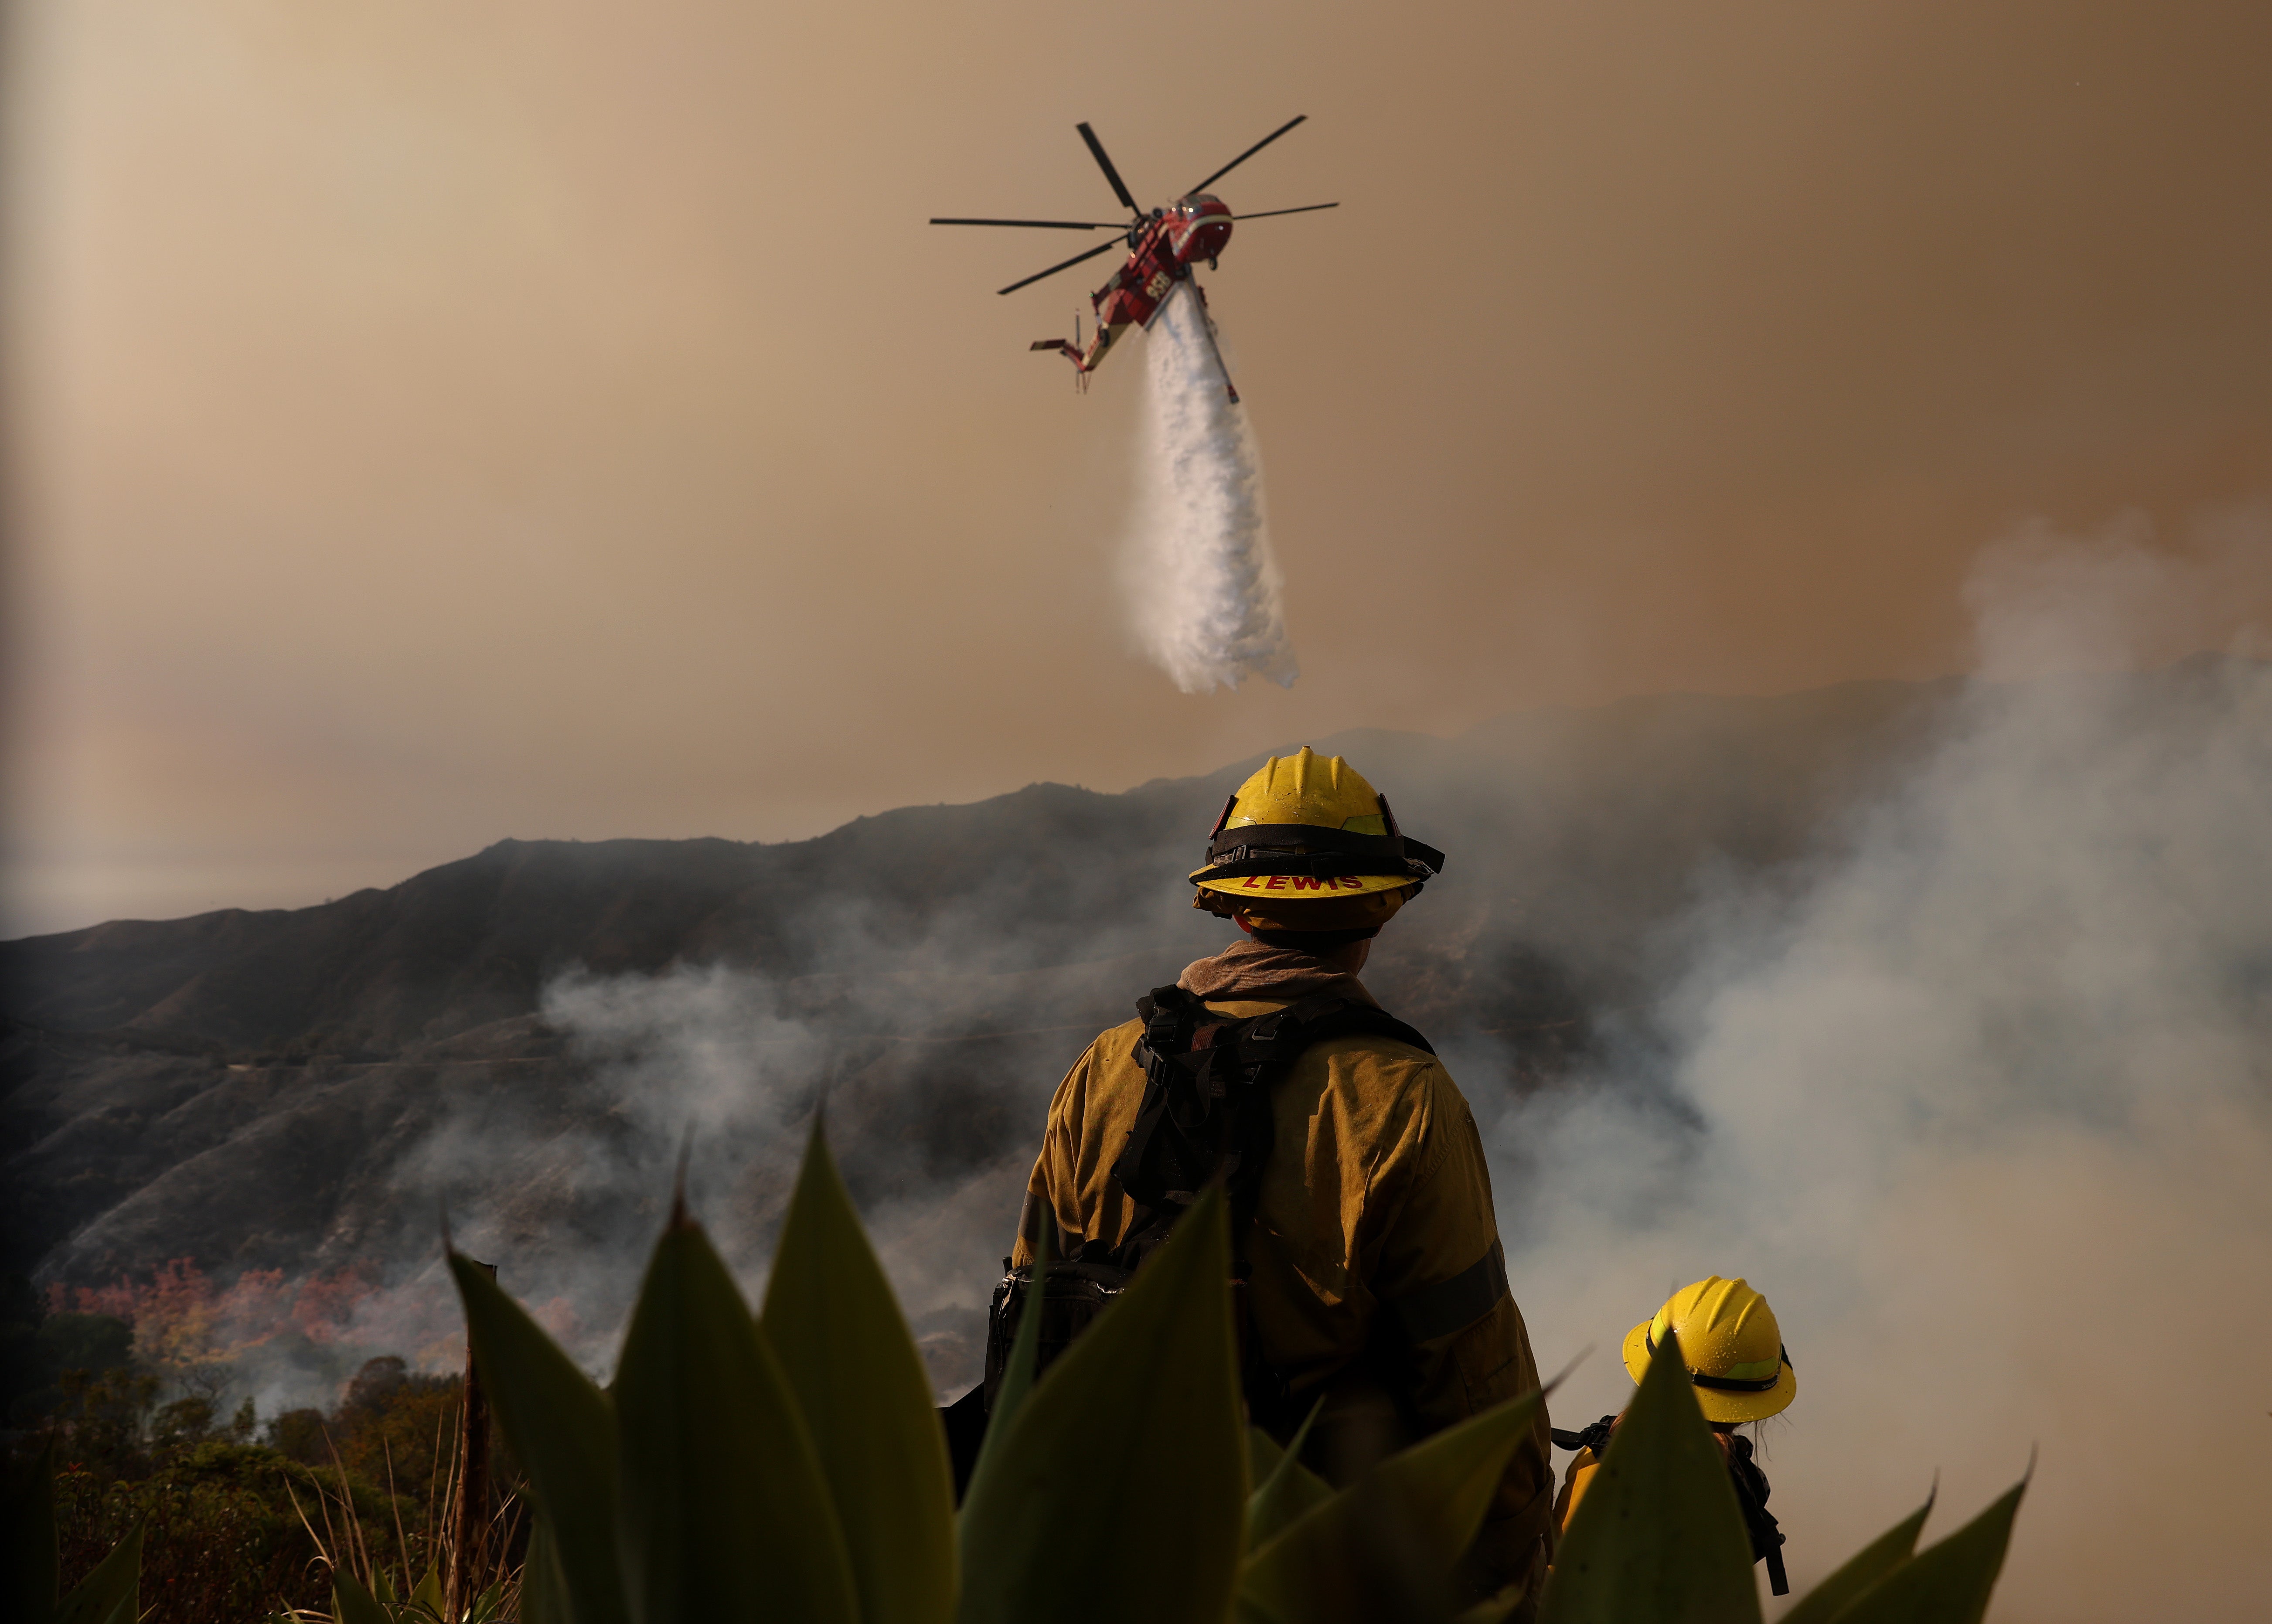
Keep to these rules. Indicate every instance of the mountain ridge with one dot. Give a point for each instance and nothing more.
(151, 1072)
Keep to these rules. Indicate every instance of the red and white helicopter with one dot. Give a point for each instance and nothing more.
(1164, 247)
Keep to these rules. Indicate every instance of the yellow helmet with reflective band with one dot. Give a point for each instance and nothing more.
(1309, 830)
(1731, 1344)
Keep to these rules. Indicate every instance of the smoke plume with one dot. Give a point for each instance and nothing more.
(1204, 590)
(933, 1098)
(1944, 1017)
(1984, 1104)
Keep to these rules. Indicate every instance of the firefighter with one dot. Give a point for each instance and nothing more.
(1368, 1260)
(1732, 1345)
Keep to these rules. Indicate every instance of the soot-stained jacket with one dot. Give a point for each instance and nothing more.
(1377, 1274)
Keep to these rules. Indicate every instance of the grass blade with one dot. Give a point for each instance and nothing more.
(724, 1514)
(1658, 1535)
(562, 1430)
(1948, 1582)
(832, 1323)
(1116, 1490)
(1872, 1562)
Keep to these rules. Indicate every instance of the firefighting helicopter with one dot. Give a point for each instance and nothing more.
(1164, 246)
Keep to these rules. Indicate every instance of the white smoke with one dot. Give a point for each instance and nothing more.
(1986, 1107)
(1205, 594)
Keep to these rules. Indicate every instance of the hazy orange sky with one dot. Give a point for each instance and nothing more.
(435, 423)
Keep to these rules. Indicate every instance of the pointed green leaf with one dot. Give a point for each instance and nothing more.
(1658, 1535)
(1117, 1487)
(831, 1321)
(1018, 1375)
(1287, 1488)
(1491, 1609)
(1262, 1457)
(1386, 1544)
(1872, 1562)
(111, 1594)
(351, 1604)
(429, 1596)
(30, 1569)
(563, 1431)
(1948, 1582)
(543, 1593)
(724, 1514)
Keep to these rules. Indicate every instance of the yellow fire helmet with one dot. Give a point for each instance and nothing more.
(1308, 844)
(1731, 1344)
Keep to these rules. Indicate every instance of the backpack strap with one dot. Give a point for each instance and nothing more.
(1207, 1076)
(1166, 1161)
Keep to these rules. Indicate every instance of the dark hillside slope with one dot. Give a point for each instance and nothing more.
(1017, 878)
(257, 1089)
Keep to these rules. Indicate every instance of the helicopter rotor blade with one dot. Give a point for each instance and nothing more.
(1249, 153)
(1097, 151)
(1050, 225)
(1307, 209)
(1101, 248)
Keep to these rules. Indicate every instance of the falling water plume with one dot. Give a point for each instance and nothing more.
(1205, 595)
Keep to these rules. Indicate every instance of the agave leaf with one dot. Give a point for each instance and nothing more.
(1018, 1375)
(563, 1431)
(351, 1604)
(1286, 1488)
(1386, 1545)
(488, 1604)
(831, 1321)
(1115, 1490)
(724, 1514)
(543, 1593)
(428, 1594)
(1872, 1562)
(1262, 1457)
(30, 1569)
(111, 1594)
(1945, 1584)
(1658, 1535)
(1491, 1609)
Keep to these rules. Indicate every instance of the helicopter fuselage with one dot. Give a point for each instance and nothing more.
(1160, 253)
(1163, 247)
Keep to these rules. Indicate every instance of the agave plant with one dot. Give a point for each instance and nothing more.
(789, 1464)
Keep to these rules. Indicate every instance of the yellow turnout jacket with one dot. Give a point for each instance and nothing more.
(1378, 1277)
